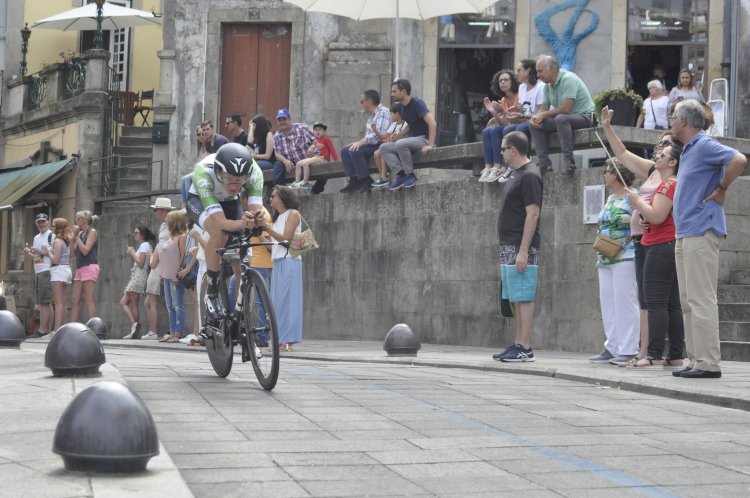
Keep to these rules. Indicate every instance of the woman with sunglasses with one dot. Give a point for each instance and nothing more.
(644, 169)
(659, 271)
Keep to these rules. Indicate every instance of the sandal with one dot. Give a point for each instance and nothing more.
(197, 342)
(174, 339)
(166, 337)
(646, 361)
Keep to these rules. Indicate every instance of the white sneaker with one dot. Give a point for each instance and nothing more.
(135, 331)
(296, 185)
(493, 175)
(258, 353)
(151, 336)
(188, 338)
(483, 176)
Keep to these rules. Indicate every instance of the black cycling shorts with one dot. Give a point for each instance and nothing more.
(195, 210)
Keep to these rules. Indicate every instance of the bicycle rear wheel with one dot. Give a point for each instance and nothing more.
(219, 343)
(261, 334)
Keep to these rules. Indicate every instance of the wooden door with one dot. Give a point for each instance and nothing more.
(255, 70)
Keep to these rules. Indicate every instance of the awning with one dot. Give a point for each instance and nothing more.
(16, 184)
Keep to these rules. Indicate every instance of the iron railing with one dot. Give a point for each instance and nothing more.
(107, 175)
(75, 77)
(37, 89)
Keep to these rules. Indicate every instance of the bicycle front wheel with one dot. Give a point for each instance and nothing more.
(261, 334)
(219, 343)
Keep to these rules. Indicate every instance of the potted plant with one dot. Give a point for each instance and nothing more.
(626, 103)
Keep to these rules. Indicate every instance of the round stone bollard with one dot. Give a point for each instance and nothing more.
(74, 350)
(99, 327)
(11, 330)
(401, 341)
(106, 428)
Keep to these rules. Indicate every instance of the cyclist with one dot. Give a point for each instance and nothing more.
(225, 196)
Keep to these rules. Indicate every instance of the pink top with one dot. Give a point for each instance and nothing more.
(169, 258)
(647, 191)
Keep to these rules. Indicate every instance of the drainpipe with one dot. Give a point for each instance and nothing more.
(733, 11)
(3, 41)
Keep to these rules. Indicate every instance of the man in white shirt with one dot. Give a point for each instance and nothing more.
(40, 251)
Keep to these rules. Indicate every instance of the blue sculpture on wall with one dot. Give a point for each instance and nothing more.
(565, 46)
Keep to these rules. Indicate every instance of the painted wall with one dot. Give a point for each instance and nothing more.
(45, 45)
(64, 138)
(145, 43)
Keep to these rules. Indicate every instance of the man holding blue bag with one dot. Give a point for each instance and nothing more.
(518, 233)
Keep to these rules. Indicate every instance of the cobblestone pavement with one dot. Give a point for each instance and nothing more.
(340, 424)
(356, 429)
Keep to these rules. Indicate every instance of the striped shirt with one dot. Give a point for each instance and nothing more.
(294, 145)
(382, 119)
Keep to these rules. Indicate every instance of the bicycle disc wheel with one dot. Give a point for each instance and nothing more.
(261, 334)
(218, 345)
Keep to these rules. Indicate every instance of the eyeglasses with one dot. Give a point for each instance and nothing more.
(671, 119)
(503, 79)
(503, 149)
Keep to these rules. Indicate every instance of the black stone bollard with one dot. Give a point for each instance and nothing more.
(11, 330)
(99, 327)
(74, 350)
(106, 428)
(401, 341)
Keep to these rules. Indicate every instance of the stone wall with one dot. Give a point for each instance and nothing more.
(427, 257)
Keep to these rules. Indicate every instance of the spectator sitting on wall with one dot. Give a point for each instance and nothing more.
(566, 106)
(398, 130)
(319, 152)
(260, 141)
(354, 156)
(422, 130)
(233, 124)
(212, 140)
(290, 143)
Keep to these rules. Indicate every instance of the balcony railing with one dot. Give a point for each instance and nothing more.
(75, 77)
(37, 89)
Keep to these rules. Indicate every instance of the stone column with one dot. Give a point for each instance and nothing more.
(90, 107)
(97, 72)
(166, 176)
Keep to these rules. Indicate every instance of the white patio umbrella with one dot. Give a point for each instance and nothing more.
(361, 10)
(84, 18)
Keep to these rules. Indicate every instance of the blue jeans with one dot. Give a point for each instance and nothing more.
(279, 173)
(173, 294)
(355, 161)
(185, 183)
(263, 164)
(522, 127)
(266, 274)
(491, 139)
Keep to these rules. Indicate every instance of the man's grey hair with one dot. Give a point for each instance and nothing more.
(549, 62)
(693, 113)
(655, 83)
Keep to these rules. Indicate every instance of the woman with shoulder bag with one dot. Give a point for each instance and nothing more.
(655, 111)
(618, 291)
(644, 169)
(167, 261)
(286, 277)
